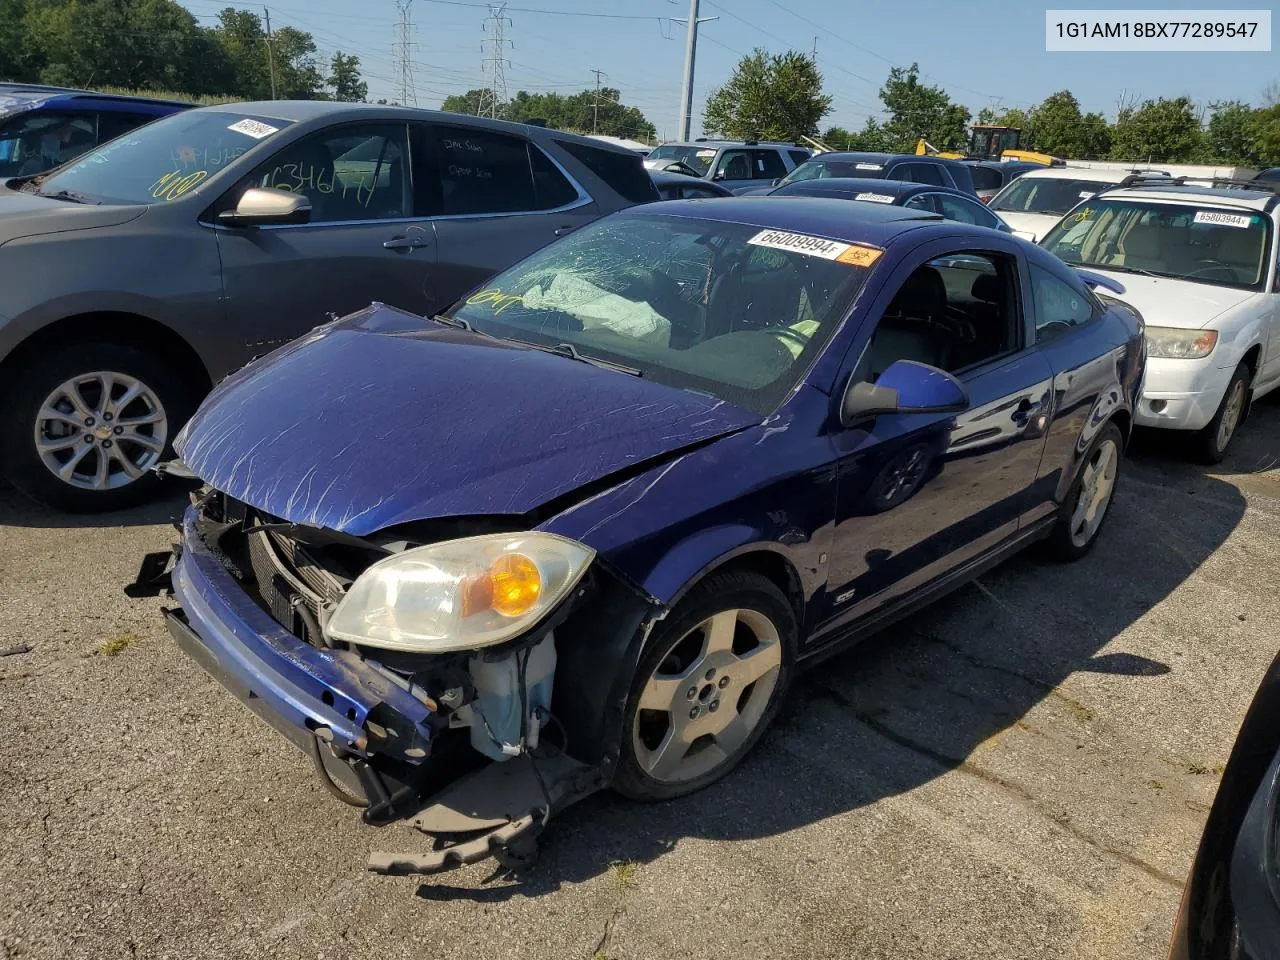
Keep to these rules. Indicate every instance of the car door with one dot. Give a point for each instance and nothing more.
(1269, 372)
(1084, 355)
(496, 199)
(921, 495)
(365, 240)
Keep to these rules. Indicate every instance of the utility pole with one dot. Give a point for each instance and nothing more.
(815, 49)
(404, 56)
(690, 52)
(271, 57)
(595, 108)
(495, 62)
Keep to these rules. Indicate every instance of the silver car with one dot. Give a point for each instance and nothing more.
(138, 276)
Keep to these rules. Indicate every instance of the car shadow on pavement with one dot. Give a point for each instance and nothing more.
(918, 699)
(17, 511)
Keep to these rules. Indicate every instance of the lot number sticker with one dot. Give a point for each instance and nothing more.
(253, 128)
(849, 253)
(874, 197)
(868, 166)
(1223, 219)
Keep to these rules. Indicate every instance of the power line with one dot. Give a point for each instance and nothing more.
(595, 106)
(405, 93)
(495, 61)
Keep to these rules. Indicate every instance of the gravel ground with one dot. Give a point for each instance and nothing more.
(1021, 771)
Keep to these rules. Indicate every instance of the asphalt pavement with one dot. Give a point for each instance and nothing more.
(1021, 771)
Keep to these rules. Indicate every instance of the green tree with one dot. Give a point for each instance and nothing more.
(344, 78)
(1264, 132)
(473, 102)
(240, 34)
(601, 110)
(1230, 135)
(917, 110)
(1008, 117)
(1164, 131)
(1059, 128)
(768, 97)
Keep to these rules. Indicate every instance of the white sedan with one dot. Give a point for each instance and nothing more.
(1200, 264)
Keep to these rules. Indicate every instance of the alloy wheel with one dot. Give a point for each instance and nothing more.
(707, 695)
(1231, 414)
(1097, 483)
(101, 430)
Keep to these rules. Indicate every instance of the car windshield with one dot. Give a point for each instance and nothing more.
(1183, 241)
(696, 158)
(1050, 195)
(724, 309)
(163, 160)
(826, 169)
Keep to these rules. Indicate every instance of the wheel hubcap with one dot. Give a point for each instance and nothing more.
(1231, 415)
(101, 431)
(1097, 483)
(707, 695)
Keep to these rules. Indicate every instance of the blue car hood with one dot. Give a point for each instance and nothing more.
(383, 417)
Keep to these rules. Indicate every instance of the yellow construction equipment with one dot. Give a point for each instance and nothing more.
(991, 142)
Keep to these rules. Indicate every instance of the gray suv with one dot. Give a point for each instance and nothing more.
(136, 277)
(737, 165)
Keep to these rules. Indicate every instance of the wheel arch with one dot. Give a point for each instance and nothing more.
(123, 327)
(760, 558)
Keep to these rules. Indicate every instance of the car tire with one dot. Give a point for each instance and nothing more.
(709, 683)
(1211, 443)
(1078, 526)
(58, 400)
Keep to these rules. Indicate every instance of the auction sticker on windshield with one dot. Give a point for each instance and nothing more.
(1223, 219)
(816, 247)
(868, 166)
(253, 128)
(874, 197)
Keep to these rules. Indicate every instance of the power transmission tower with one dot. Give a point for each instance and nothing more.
(595, 107)
(405, 94)
(495, 62)
(690, 52)
(271, 57)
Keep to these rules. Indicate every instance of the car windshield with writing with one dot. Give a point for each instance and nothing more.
(161, 161)
(1182, 241)
(724, 309)
(696, 158)
(827, 169)
(1050, 195)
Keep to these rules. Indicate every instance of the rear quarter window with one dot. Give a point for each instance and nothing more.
(985, 178)
(623, 172)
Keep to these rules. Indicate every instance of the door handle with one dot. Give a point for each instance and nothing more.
(561, 231)
(1024, 411)
(406, 243)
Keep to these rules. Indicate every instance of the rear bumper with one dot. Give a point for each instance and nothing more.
(301, 691)
(1182, 394)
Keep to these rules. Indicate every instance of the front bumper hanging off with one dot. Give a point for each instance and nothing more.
(364, 730)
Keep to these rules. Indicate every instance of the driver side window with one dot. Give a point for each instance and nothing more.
(348, 173)
(1058, 306)
(954, 313)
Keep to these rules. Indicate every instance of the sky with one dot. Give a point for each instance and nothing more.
(982, 52)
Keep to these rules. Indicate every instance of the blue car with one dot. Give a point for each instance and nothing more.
(44, 127)
(582, 529)
(951, 204)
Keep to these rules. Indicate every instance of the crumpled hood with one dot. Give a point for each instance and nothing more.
(1164, 302)
(383, 417)
(27, 215)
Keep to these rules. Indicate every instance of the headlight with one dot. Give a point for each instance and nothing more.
(1177, 343)
(459, 594)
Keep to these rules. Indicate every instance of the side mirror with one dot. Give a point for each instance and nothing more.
(718, 175)
(267, 206)
(777, 182)
(906, 387)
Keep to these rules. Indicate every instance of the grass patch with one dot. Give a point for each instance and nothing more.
(117, 644)
(624, 873)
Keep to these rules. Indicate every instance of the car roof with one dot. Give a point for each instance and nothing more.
(34, 94)
(732, 143)
(668, 176)
(882, 158)
(899, 189)
(832, 219)
(1261, 200)
(1084, 173)
(304, 111)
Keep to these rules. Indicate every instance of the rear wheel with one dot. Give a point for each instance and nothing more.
(82, 429)
(708, 685)
(1211, 443)
(1085, 509)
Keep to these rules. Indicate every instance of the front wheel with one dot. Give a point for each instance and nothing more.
(708, 685)
(82, 428)
(1089, 500)
(1211, 443)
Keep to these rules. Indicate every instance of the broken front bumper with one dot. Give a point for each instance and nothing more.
(373, 728)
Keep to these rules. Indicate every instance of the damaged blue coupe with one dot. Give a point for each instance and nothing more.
(581, 530)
